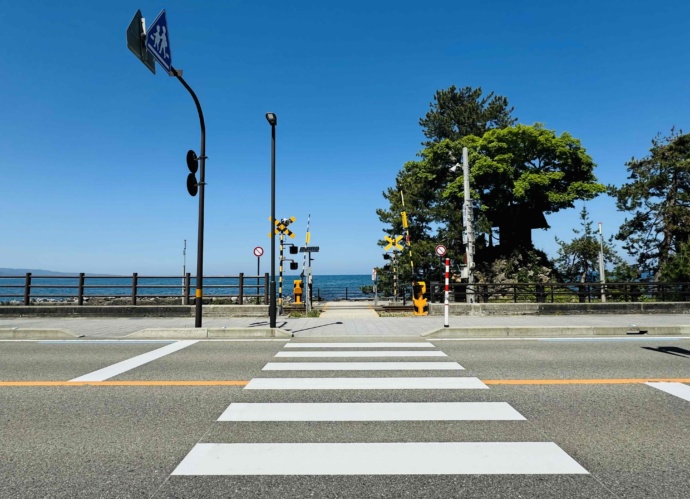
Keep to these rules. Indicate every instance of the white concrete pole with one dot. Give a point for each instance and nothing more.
(469, 226)
(601, 264)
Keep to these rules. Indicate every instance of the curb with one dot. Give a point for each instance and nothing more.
(35, 333)
(551, 331)
(210, 333)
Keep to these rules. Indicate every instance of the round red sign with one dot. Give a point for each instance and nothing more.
(440, 250)
(258, 251)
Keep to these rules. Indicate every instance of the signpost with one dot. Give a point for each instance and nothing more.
(258, 251)
(136, 41)
(445, 303)
(156, 45)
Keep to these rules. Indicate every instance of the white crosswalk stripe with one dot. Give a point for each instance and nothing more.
(364, 353)
(371, 458)
(363, 366)
(372, 411)
(439, 458)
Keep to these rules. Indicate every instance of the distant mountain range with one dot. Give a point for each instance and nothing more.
(6, 271)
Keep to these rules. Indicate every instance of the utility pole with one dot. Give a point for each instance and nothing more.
(469, 227)
(601, 264)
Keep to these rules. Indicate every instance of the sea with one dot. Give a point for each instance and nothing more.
(66, 288)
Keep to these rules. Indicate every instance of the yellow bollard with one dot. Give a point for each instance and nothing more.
(298, 290)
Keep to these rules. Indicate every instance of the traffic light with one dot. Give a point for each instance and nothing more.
(420, 305)
(193, 165)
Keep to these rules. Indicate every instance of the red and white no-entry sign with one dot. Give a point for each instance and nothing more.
(440, 250)
(258, 251)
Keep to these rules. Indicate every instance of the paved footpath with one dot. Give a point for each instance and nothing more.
(349, 319)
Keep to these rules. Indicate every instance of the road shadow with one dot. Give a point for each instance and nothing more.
(314, 327)
(267, 323)
(677, 351)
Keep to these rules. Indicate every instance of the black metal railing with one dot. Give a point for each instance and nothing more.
(28, 289)
(568, 292)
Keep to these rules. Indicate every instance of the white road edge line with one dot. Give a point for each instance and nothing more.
(678, 389)
(139, 360)
(415, 458)
(379, 411)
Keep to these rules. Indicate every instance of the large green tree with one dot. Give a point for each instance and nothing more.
(657, 195)
(516, 175)
(433, 219)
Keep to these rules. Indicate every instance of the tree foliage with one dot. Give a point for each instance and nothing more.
(657, 195)
(456, 113)
(517, 173)
(578, 260)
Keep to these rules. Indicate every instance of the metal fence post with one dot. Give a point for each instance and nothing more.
(265, 288)
(135, 281)
(80, 291)
(240, 298)
(27, 289)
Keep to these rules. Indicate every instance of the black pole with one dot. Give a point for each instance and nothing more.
(202, 184)
(272, 119)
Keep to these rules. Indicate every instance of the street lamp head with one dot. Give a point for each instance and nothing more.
(272, 119)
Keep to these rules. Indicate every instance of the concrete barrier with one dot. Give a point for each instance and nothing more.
(35, 334)
(487, 309)
(209, 333)
(132, 311)
(554, 331)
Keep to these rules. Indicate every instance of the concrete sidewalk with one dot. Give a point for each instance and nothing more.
(495, 326)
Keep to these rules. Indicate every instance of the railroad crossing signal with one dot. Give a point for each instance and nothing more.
(393, 242)
(281, 226)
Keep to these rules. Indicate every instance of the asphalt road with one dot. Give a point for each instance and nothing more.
(577, 419)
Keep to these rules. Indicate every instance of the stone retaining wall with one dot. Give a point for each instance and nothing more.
(482, 309)
(133, 311)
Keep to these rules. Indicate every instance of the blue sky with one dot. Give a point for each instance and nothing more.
(93, 144)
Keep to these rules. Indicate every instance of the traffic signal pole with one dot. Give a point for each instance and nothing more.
(202, 184)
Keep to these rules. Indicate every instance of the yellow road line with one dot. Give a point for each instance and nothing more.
(124, 383)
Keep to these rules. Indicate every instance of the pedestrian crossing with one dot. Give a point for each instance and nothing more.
(327, 379)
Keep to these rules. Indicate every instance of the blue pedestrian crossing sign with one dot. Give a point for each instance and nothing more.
(158, 42)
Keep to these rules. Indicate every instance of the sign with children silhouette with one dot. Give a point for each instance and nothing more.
(158, 42)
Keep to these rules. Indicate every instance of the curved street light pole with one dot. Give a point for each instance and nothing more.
(273, 121)
(202, 184)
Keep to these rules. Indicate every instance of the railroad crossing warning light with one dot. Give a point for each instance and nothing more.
(294, 265)
(420, 305)
(193, 165)
(294, 250)
(387, 267)
(298, 290)
(386, 256)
